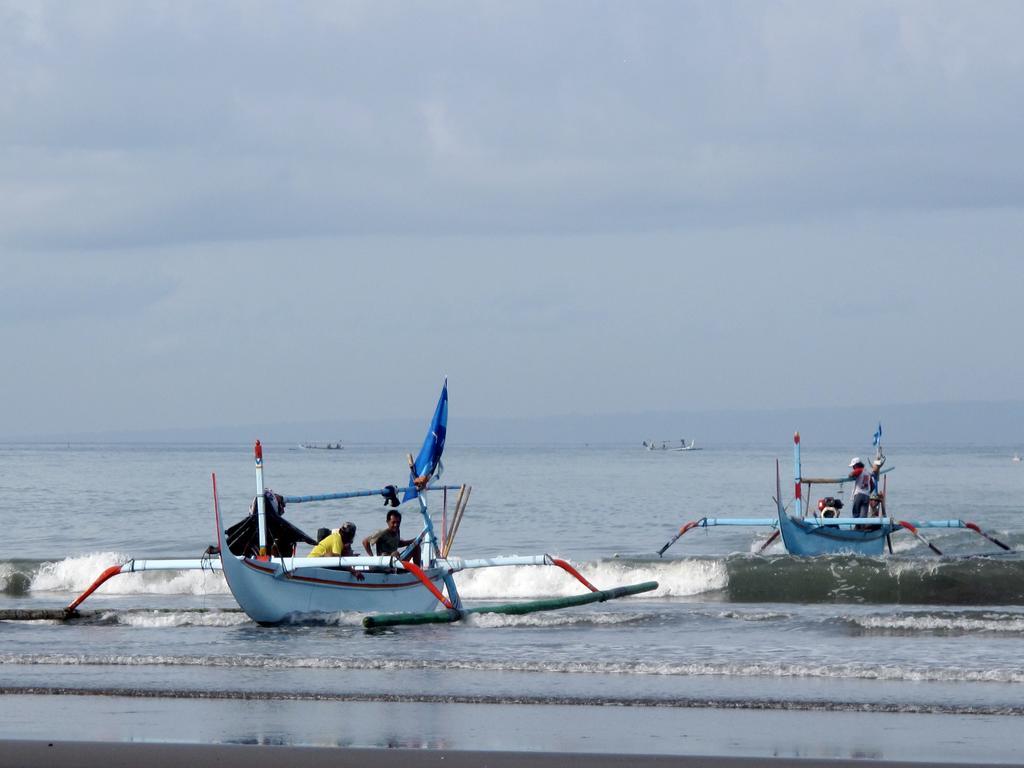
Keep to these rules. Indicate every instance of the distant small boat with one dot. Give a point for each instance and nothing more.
(1016, 457)
(684, 447)
(669, 445)
(322, 446)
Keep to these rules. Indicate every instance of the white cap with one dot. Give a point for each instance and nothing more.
(855, 461)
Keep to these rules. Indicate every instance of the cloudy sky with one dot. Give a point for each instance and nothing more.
(218, 212)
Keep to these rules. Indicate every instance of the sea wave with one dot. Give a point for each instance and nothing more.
(675, 579)
(755, 615)
(15, 578)
(6, 573)
(164, 619)
(559, 619)
(787, 670)
(944, 623)
(76, 574)
(737, 578)
(889, 580)
(773, 704)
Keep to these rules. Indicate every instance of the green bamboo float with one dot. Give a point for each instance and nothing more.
(449, 615)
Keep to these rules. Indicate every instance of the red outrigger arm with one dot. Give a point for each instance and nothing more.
(111, 571)
(991, 538)
(675, 538)
(137, 566)
(768, 541)
(912, 527)
(416, 571)
(569, 569)
(917, 533)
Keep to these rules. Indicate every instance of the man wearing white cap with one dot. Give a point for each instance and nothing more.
(861, 495)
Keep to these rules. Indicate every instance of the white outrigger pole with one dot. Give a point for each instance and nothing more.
(261, 503)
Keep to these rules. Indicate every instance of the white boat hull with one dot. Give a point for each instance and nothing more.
(272, 591)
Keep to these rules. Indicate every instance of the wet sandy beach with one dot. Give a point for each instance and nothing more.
(41, 754)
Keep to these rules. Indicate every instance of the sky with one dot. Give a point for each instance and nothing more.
(228, 212)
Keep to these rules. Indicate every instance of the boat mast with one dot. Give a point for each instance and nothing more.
(261, 505)
(796, 475)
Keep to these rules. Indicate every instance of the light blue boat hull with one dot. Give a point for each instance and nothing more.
(807, 539)
(271, 595)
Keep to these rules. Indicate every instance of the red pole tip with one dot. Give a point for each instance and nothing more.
(796, 437)
(259, 450)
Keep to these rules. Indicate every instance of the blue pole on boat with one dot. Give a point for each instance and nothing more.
(796, 475)
(757, 522)
(261, 506)
(360, 494)
(429, 544)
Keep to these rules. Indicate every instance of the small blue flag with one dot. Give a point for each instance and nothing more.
(429, 459)
(878, 434)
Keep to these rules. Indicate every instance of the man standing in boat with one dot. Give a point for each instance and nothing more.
(389, 541)
(862, 487)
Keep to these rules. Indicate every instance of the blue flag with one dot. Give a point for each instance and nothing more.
(433, 445)
(878, 434)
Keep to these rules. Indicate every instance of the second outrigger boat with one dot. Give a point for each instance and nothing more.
(822, 531)
(273, 586)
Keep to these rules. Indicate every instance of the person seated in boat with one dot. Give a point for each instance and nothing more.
(336, 544)
(339, 544)
(389, 541)
(861, 494)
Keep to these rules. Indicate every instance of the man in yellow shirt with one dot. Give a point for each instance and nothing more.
(336, 544)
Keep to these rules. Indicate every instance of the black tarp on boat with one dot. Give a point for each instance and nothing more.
(243, 537)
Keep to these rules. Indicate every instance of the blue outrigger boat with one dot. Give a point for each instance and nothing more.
(824, 532)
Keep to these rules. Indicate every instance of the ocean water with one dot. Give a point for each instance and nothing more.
(729, 636)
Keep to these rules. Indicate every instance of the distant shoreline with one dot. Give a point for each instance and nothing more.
(946, 423)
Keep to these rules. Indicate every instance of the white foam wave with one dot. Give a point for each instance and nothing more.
(755, 615)
(6, 573)
(896, 568)
(775, 548)
(901, 544)
(851, 671)
(75, 574)
(554, 619)
(931, 623)
(675, 579)
(161, 619)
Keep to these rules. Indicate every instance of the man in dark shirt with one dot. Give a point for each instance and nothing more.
(388, 540)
